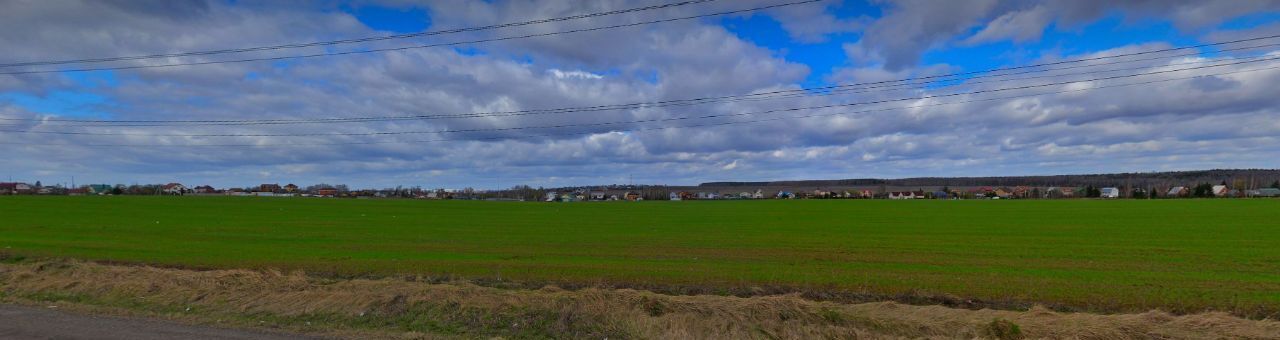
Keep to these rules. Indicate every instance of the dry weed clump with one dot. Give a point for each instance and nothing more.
(394, 308)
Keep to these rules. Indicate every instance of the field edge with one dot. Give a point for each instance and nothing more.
(403, 308)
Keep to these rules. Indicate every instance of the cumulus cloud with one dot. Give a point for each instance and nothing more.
(815, 23)
(1018, 26)
(911, 27)
(574, 74)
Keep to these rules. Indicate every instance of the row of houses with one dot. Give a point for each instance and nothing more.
(1018, 192)
(618, 194)
(703, 195)
(15, 188)
(577, 196)
(1224, 191)
(1071, 192)
(268, 189)
(585, 195)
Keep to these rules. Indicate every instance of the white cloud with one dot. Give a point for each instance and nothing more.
(732, 165)
(1018, 26)
(573, 74)
(911, 27)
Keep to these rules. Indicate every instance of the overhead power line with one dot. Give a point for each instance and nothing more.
(329, 54)
(355, 40)
(994, 72)
(391, 133)
(741, 122)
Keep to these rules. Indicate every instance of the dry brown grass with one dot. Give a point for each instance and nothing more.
(406, 308)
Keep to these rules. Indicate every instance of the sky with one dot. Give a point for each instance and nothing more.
(1113, 97)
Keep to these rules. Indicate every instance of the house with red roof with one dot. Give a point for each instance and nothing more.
(15, 188)
(174, 189)
(205, 189)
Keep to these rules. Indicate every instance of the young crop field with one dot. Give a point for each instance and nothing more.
(1121, 255)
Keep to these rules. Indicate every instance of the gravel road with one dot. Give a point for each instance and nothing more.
(22, 322)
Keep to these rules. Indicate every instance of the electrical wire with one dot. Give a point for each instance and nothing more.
(720, 123)
(355, 40)
(389, 133)
(676, 102)
(330, 54)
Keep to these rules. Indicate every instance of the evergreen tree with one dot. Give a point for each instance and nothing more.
(1203, 190)
(1276, 184)
(1092, 192)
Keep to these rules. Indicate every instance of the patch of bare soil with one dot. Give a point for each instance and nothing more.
(401, 308)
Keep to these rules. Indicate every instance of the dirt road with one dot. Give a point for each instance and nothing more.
(22, 322)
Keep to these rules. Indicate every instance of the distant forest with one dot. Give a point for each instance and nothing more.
(1239, 179)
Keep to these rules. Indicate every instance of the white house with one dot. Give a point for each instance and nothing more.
(1220, 190)
(1110, 193)
(1177, 192)
(15, 188)
(674, 196)
(174, 189)
(904, 195)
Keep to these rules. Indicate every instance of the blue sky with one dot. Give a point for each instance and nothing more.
(821, 57)
(1184, 124)
(391, 19)
(1112, 30)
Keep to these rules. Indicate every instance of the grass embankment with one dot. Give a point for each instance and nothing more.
(399, 308)
(1182, 256)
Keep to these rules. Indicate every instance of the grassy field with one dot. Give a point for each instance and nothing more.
(1124, 255)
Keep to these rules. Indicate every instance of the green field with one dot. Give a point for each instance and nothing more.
(1122, 255)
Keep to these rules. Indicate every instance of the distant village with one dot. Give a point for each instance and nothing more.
(668, 193)
(1203, 190)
